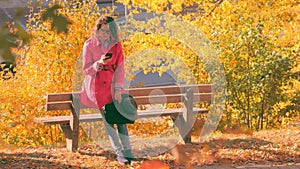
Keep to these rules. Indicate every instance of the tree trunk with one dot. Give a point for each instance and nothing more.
(262, 111)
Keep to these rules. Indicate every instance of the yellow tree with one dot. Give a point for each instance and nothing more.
(258, 43)
(259, 47)
(45, 65)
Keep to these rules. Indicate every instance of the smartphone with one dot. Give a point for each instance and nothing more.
(108, 56)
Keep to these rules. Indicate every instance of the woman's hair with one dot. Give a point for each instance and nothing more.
(111, 23)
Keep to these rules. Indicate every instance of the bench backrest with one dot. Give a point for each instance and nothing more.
(143, 96)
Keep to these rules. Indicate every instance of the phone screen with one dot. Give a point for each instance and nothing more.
(108, 55)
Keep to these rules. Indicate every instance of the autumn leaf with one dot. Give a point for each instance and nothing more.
(59, 22)
(153, 164)
(8, 40)
(238, 129)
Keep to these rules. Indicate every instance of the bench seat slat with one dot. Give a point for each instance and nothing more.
(166, 112)
(202, 97)
(66, 105)
(90, 117)
(166, 90)
(98, 117)
(59, 97)
(59, 106)
(56, 97)
(161, 99)
(53, 120)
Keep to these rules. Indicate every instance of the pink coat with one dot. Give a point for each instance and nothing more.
(98, 85)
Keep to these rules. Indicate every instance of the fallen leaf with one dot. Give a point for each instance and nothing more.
(153, 164)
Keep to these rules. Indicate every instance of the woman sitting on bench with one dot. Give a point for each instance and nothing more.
(103, 66)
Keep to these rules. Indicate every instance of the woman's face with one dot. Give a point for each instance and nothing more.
(104, 32)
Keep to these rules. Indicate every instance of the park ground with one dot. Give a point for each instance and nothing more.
(274, 149)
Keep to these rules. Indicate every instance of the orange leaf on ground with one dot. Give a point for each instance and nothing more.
(153, 164)
(239, 129)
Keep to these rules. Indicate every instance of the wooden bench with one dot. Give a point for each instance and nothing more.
(186, 94)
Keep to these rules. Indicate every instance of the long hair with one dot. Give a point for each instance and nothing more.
(111, 23)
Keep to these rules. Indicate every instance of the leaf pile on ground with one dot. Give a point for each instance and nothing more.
(231, 149)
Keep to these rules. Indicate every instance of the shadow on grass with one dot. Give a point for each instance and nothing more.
(245, 143)
(97, 152)
(31, 160)
(244, 150)
(103, 153)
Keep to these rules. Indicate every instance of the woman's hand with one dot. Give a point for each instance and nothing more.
(102, 61)
(118, 96)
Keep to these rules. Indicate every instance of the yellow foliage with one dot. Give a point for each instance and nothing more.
(177, 57)
(47, 64)
(153, 164)
(235, 27)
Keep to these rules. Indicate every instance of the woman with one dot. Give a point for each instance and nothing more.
(103, 66)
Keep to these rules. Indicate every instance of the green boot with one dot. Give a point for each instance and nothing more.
(128, 155)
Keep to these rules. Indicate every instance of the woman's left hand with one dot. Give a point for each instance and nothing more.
(118, 96)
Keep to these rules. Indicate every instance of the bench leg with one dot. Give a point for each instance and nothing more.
(186, 120)
(184, 128)
(66, 129)
(75, 133)
(69, 134)
(74, 123)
